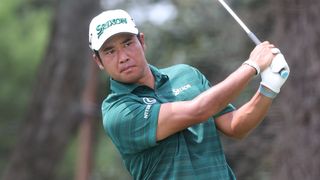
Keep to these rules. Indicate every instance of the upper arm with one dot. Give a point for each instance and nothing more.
(223, 120)
(224, 123)
(131, 125)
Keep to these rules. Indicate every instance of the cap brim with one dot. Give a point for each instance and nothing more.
(97, 45)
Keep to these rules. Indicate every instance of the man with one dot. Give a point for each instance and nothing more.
(164, 122)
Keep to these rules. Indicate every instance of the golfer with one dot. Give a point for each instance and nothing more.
(165, 122)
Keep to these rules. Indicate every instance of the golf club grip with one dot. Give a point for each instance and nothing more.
(254, 38)
(283, 72)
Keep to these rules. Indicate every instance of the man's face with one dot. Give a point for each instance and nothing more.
(122, 57)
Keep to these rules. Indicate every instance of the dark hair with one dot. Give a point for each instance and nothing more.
(138, 36)
(97, 54)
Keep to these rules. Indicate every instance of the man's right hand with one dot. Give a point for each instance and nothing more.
(262, 55)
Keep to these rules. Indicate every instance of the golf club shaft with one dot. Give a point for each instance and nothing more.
(252, 36)
(283, 73)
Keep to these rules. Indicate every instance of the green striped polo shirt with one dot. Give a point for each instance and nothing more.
(130, 115)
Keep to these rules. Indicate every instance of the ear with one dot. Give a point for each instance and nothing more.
(98, 61)
(141, 39)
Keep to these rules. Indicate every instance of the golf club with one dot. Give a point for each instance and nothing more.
(252, 36)
(283, 73)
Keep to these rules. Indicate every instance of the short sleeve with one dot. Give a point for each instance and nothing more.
(227, 109)
(204, 81)
(131, 125)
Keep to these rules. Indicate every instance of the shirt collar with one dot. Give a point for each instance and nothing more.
(119, 87)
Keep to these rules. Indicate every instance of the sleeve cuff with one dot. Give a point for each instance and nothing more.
(267, 92)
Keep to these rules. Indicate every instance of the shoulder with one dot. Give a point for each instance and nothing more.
(177, 67)
(115, 107)
(119, 108)
(114, 103)
(181, 70)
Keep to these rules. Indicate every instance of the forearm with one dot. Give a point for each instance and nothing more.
(249, 116)
(219, 96)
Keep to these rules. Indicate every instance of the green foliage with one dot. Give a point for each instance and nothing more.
(108, 163)
(68, 165)
(23, 36)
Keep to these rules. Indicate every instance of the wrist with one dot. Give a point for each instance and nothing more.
(267, 92)
(253, 65)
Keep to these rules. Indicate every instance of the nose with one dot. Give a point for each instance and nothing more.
(123, 57)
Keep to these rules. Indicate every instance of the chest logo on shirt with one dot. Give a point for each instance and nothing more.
(149, 100)
(177, 91)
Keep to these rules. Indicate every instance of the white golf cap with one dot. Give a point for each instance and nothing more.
(107, 24)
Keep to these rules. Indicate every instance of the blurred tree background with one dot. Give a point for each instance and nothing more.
(46, 69)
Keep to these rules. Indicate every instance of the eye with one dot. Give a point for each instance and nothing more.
(109, 51)
(128, 43)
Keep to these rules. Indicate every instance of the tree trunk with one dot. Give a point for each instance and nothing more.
(86, 129)
(298, 144)
(55, 109)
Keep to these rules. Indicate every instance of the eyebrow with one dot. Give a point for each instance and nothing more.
(123, 42)
(107, 48)
(127, 40)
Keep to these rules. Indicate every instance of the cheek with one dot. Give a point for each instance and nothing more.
(110, 66)
(139, 55)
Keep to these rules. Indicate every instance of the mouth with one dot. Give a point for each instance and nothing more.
(126, 68)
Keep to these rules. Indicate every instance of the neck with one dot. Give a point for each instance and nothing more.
(150, 79)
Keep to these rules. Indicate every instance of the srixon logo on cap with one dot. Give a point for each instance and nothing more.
(101, 27)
